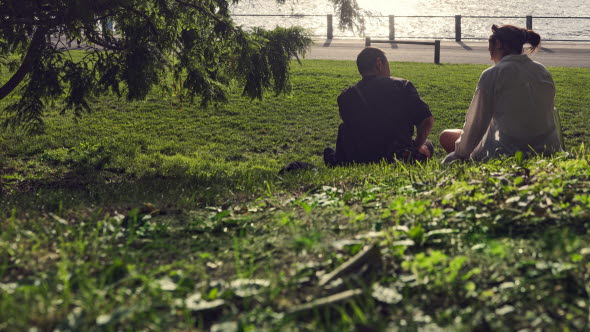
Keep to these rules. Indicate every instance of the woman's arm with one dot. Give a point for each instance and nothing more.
(478, 116)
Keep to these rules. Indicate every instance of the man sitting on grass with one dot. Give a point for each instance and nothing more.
(379, 114)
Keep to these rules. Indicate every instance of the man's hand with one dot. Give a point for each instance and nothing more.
(424, 150)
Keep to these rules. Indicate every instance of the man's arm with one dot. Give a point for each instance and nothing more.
(423, 130)
(420, 116)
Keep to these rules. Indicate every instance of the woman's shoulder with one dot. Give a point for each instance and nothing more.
(539, 66)
(490, 73)
(522, 63)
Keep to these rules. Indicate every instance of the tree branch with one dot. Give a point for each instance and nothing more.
(201, 9)
(89, 34)
(145, 17)
(34, 51)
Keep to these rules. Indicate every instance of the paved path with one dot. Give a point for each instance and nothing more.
(557, 54)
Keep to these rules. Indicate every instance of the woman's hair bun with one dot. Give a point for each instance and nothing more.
(513, 38)
(533, 38)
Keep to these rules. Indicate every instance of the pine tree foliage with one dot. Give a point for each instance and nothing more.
(194, 42)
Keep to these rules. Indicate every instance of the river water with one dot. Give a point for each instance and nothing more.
(417, 27)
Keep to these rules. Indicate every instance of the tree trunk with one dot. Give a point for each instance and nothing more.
(34, 51)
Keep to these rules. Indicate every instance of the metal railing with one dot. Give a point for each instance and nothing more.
(436, 44)
(458, 33)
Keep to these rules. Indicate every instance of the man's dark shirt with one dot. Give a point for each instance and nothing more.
(382, 125)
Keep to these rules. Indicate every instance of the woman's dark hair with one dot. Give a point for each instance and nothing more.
(513, 38)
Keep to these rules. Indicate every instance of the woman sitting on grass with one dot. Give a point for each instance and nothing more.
(512, 108)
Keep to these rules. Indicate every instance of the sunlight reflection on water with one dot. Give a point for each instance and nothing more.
(413, 27)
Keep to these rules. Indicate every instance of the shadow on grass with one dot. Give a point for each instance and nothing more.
(83, 188)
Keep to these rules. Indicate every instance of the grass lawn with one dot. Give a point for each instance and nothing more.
(162, 215)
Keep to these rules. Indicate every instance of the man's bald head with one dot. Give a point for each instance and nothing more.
(370, 61)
